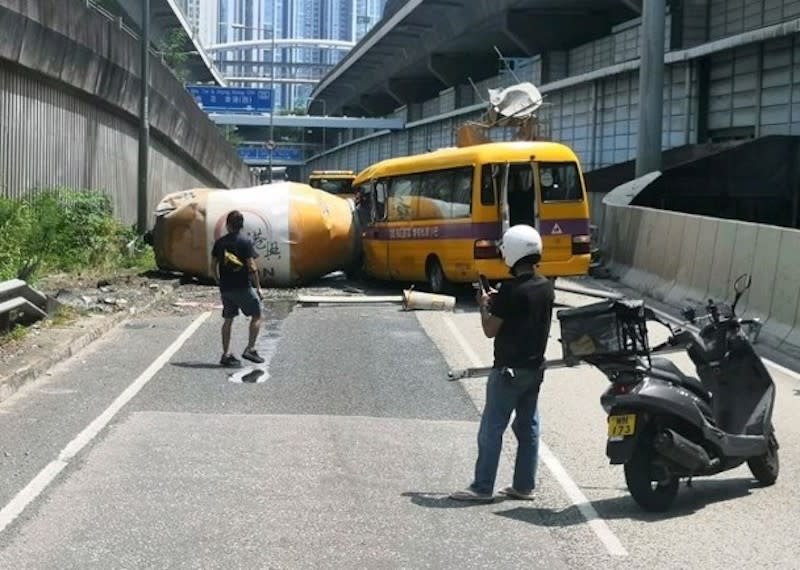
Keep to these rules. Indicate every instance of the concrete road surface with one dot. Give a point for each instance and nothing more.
(339, 453)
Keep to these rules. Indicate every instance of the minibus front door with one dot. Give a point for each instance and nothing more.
(376, 236)
(505, 210)
(537, 195)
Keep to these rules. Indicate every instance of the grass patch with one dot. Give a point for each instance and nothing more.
(16, 334)
(63, 316)
(66, 230)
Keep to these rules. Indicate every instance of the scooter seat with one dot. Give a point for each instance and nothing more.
(667, 369)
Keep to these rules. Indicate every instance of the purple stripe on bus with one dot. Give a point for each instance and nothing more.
(485, 230)
(577, 227)
(489, 230)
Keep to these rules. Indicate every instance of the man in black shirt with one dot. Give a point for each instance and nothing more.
(233, 265)
(518, 318)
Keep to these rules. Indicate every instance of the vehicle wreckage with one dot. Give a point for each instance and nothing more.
(303, 233)
(300, 233)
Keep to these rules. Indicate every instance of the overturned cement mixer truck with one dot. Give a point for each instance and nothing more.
(300, 233)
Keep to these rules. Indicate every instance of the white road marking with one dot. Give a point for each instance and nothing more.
(462, 342)
(783, 369)
(596, 523)
(46, 476)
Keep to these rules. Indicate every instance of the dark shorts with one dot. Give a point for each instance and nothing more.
(246, 300)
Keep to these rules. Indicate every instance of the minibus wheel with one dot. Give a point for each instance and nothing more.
(437, 282)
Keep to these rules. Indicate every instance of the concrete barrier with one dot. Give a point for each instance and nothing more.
(648, 259)
(786, 292)
(679, 258)
(672, 255)
(765, 262)
(597, 210)
(681, 292)
(719, 282)
(792, 338)
(703, 259)
(743, 253)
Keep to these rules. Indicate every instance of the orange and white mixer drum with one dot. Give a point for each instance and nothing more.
(300, 233)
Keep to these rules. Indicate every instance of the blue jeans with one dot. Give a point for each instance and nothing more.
(504, 395)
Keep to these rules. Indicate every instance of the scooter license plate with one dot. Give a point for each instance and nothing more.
(621, 426)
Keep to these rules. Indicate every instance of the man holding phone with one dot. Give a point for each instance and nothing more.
(518, 318)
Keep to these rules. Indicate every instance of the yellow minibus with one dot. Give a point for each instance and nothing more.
(338, 182)
(438, 217)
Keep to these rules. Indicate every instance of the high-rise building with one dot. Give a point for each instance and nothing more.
(297, 67)
(203, 16)
(367, 14)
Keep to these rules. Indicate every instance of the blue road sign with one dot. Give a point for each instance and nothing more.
(212, 98)
(260, 153)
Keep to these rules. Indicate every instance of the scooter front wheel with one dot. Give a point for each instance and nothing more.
(650, 494)
(766, 467)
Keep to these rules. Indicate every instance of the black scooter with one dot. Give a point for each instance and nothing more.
(662, 424)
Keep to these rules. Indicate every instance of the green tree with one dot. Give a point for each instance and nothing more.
(173, 49)
(231, 134)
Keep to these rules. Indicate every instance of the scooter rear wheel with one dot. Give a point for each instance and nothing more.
(766, 467)
(651, 495)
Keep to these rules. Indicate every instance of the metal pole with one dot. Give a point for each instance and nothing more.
(651, 87)
(144, 122)
(272, 88)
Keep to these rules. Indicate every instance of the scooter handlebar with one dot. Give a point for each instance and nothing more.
(682, 337)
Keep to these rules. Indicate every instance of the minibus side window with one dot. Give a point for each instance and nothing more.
(462, 192)
(401, 191)
(560, 182)
(363, 201)
(437, 187)
(448, 194)
(380, 200)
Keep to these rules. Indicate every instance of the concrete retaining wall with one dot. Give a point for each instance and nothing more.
(681, 258)
(597, 210)
(69, 106)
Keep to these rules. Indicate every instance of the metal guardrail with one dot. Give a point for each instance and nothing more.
(118, 20)
(20, 302)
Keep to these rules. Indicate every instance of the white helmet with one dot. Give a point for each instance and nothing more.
(518, 242)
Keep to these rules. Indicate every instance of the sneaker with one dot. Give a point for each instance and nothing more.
(252, 356)
(514, 494)
(470, 495)
(229, 361)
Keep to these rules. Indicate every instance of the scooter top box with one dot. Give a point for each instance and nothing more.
(608, 329)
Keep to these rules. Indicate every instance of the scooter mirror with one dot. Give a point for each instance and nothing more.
(743, 283)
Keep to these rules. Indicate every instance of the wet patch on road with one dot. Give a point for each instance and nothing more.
(275, 312)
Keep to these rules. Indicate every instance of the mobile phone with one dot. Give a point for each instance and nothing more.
(484, 283)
